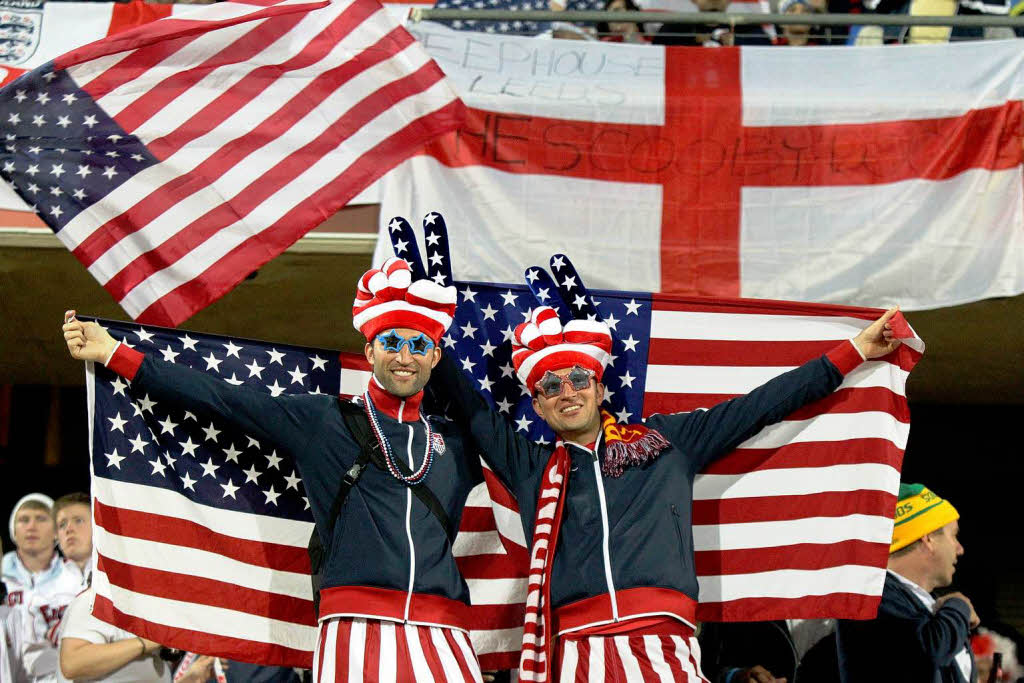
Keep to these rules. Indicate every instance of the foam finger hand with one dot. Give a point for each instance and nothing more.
(386, 283)
(403, 241)
(439, 261)
(544, 328)
(572, 290)
(545, 291)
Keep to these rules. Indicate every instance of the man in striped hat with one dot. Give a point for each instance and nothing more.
(612, 591)
(393, 606)
(915, 637)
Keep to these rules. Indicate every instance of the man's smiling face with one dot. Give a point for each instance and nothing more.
(573, 415)
(402, 373)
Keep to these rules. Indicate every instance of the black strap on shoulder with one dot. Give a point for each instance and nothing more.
(359, 426)
(361, 431)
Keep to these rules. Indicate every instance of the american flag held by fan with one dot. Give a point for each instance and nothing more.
(210, 495)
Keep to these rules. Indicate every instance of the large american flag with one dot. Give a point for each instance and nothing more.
(201, 533)
(175, 158)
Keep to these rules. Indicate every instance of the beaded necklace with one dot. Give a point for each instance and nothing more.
(385, 446)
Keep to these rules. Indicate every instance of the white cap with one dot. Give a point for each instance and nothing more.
(40, 497)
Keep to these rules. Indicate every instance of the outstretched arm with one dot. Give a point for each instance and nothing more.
(510, 455)
(709, 434)
(84, 659)
(283, 421)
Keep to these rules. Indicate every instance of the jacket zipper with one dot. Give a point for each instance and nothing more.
(679, 532)
(604, 529)
(408, 518)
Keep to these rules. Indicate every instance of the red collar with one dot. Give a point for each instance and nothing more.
(401, 409)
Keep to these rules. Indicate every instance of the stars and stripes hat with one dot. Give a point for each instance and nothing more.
(400, 294)
(543, 343)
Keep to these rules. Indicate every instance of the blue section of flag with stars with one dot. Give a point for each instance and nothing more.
(480, 342)
(141, 441)
(61, 152)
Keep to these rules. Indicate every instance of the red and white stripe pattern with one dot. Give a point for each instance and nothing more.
(188, 590)
(662, 658)
(373, 651)
(263, 121)
(538, 638)
(542, 343)
(492, 555)
(797, 521)
(388, 297)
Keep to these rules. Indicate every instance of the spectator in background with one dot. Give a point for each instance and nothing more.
(93, 650)
(710, 35)
(915, 637)
(985, 644)
(800, 35)
(34, 560)
(74, 532)
(40, 587)
(621, 31)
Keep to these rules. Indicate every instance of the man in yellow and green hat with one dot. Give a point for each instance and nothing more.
(915, 636)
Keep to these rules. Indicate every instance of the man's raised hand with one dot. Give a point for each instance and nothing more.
(87, 340)
(878, 338)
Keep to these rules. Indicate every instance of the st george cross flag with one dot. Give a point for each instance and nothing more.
(175, 158)
(856, 176)
(201, 533)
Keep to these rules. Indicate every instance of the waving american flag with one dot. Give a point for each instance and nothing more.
(175, 158)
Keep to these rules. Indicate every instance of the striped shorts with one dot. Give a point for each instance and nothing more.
(634, 658)
(370, 650)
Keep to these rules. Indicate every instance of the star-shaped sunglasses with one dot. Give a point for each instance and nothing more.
(551, 384)
(419, 345)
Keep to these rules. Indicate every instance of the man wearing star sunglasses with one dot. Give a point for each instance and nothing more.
(402, 359)
(386, 484)
(562, 399)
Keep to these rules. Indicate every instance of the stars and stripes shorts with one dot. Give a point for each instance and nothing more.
(633, 658)
(369, 650)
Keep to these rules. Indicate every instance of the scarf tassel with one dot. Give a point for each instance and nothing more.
(621, 454)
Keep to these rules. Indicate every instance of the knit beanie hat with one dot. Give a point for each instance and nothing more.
(918, 513)
(37, 497)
